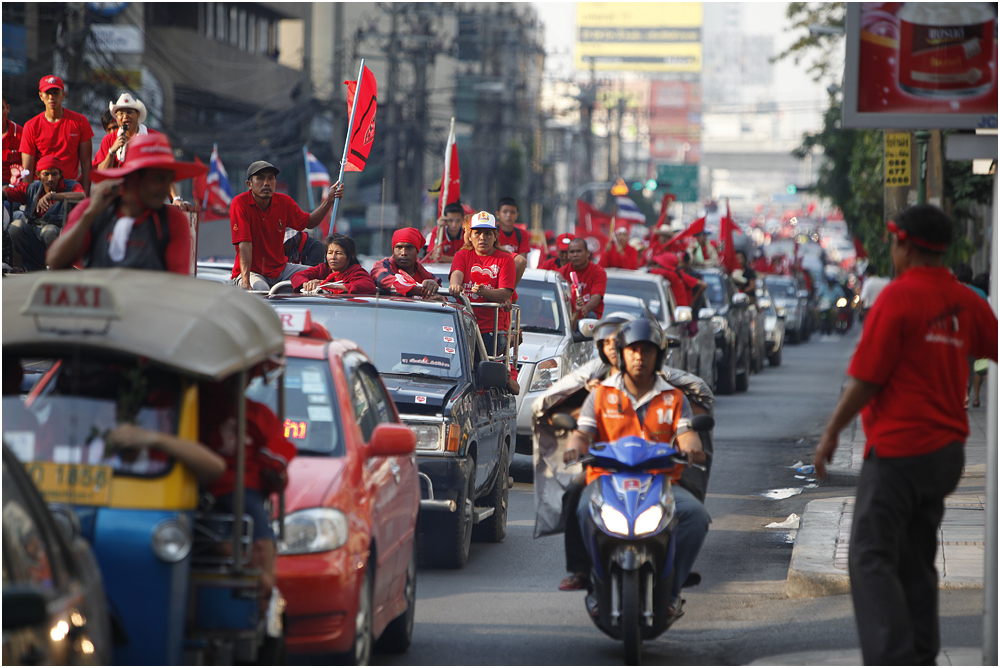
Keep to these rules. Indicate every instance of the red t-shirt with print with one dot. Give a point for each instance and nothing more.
(494, 271)
(916, 342)
(265, 230)
(61, 138)
(593, 281)
(511, 243)
(11, 150)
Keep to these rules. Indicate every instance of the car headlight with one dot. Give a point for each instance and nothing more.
(718, 322)
(313, 530)
(648, 520)
(428, 436)
(172, 539)
(842, 302)
(547, 372)
(614, 521)
(781, 311)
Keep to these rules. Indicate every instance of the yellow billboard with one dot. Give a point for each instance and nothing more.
(639, 36)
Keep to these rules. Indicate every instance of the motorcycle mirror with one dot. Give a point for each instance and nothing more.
(703, 423)
(564, 421)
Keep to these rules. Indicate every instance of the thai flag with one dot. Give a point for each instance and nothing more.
(318, 176)
(217, 194)
(628, 210)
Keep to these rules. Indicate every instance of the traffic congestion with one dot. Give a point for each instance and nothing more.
(256, 455)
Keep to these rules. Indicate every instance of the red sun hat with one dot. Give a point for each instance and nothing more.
(150, 151)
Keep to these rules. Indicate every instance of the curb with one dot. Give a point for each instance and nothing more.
(811, 572)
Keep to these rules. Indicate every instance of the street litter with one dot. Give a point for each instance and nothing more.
(784, 493)
(792, 522)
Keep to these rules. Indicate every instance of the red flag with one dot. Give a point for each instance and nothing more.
(694, 228)
(450, 181)
(728, 256)
(664, 205)
(363, 130)
(594, 226)
(859, 248)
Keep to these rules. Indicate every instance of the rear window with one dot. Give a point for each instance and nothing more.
(647, 291)
(714, 290)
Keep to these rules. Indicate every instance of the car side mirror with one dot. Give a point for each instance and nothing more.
(389, 440)
(706, 314)
(585, 330)
(490, 375)
(802, 294)
(765, 303)
(23, 606)
(563, 421)
(683, 314)
(673, 342)
(702, 423)
(740, 299)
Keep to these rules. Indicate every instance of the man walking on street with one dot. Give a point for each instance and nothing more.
(259, 218)
(908, 379)
(60, 132)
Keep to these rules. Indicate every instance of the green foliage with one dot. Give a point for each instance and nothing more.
(864, 209)
(819, 47)
(963, 190)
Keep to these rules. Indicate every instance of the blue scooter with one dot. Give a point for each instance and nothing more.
(630, 535)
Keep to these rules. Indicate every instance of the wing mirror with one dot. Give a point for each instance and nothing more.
(706, 313)
(683, 314)
(765, 303)
(389, 440)
(490, 375)
(740, 299)
(585, 330)
(564, 421)
(702, 423)
(802, 294)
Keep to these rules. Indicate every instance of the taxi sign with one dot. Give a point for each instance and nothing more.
(294, 320)
(619, 189)
(62, 297)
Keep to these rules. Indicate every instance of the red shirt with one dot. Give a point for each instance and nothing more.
(593, 281)
(510, 242)
(109, 139)
(61, 138)
(177, 257)
(551, 264)
(449, 246)
(11, 150)
(916, 342)
(496, 271)
(265, 230)
(628, 258)
(356, 280)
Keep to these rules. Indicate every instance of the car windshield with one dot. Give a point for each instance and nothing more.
(69, 414)
(647, 291)
(408, 341)
(312, 419)
(539, 304)
(781, 287)
(714, 290)
(633, 308)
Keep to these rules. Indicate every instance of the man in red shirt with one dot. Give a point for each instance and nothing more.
(11, 147)
(388, 272)
(485, 274)
(60, 132)
(510, 237)
(686, 288)
(908, 379)
(449, 225)
(562, 254)
(126, 222)
(259, 217)
(619, 254)
(591, 281)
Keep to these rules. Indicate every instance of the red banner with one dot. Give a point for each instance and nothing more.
(728, 255)
(677, 243)
(363, 129)
(450, 179)
(594, 226)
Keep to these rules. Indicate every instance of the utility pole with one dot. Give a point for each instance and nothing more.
(418, 129)
(392, 125)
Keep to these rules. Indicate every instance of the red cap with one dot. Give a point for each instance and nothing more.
(150, 151)
(562, 241)
(50, 81)
(47, 162)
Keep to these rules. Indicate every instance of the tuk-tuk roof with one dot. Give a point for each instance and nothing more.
(201, 328)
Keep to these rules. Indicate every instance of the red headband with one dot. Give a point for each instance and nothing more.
(903, 235)
(408, 235)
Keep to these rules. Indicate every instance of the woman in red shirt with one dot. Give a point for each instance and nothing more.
(341, 266)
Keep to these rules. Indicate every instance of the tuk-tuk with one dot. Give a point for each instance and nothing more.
(88, 350)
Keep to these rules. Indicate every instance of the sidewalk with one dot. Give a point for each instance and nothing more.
(819, 558)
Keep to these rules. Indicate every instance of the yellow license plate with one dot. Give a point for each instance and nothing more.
(72, 483)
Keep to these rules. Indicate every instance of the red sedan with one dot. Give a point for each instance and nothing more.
(347, 560)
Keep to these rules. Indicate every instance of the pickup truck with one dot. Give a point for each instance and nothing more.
(431, 358)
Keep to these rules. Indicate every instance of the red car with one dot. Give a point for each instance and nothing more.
(347, 560)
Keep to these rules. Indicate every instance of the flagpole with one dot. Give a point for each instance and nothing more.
(347, 141)
(447, 170)
(309, 189)
(215, 154)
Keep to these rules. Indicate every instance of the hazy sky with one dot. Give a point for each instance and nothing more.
(792, 84)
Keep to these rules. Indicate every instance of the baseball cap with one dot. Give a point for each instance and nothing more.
(260, 166)
(562, 241)
(50, 81)
(483, 220)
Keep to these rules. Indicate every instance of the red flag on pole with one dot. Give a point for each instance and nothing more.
(363, 128)
(728, 256)
(664, 207)
(694, 228)
(594, 226)
(450, 180)
(859, 249)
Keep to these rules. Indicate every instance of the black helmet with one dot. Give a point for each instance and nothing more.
(636, 331)
(606, 329)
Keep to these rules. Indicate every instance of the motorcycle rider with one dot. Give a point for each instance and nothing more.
(640, 402)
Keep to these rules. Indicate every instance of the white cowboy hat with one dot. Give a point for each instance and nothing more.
(126, 101)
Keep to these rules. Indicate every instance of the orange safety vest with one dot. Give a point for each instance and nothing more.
(616, 418)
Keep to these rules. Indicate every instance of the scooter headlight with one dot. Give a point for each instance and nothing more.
(313, 530)
(648, 520)
(614, 521)
(842, 302)
(172, 540)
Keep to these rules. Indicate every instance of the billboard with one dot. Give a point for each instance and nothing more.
(921, 66)
(675, 121)
(639, 36)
